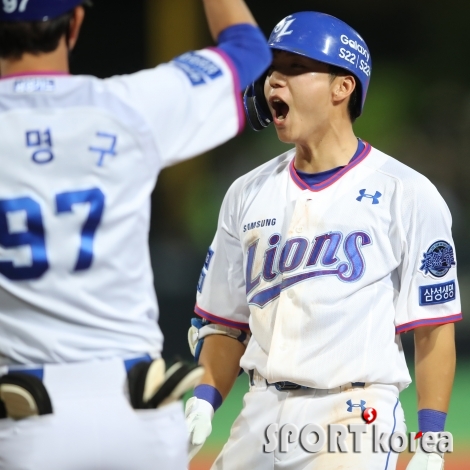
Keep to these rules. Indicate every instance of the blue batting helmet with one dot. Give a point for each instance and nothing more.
(318, 36)
(35, 10)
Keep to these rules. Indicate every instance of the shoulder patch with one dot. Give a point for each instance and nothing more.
(438, 259)
(437, 293)
(197, 67)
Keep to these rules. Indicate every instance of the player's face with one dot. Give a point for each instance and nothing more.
(298, 91)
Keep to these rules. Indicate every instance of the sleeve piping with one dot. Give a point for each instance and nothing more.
(236, 86)
(427, 322)
(222, 321)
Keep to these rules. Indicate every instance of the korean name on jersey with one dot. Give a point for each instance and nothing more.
(80, 158)
(326, 278)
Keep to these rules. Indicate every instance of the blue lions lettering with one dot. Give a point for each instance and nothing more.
(323, 251)
(438, 259)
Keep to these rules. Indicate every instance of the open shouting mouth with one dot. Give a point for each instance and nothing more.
(280, 110)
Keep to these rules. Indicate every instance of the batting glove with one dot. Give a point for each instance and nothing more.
(199, 414)
(426, 460)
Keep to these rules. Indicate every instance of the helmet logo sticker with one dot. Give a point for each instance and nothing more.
(282, 28)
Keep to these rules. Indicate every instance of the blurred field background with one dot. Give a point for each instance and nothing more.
(417, 110)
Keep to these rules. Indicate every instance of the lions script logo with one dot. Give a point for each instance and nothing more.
(438, 259)
(305, 259)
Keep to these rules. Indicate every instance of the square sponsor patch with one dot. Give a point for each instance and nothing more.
(437, 293)
(200, 283)
(210, 254)
(197, 67)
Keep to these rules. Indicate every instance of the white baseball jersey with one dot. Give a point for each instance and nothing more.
(79, 159)
(326, 279)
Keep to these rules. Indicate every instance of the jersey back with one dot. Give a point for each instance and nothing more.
(80, 157)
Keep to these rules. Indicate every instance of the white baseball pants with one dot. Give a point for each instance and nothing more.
(264, 405)
(94, 427)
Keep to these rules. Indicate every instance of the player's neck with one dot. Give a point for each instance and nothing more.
(56, 61)
(325, 151)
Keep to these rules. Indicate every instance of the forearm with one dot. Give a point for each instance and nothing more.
(224, 13)
(435, 366)
(220, 356)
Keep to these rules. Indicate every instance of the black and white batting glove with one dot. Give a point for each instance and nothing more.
(199, 414)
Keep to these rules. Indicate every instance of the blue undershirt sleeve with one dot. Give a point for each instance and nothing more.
(247, 47)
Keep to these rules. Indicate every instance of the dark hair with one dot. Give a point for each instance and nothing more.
(33, 37)
(354, 104)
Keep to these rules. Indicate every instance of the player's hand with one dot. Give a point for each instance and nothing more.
(426, 460)
(199, 414)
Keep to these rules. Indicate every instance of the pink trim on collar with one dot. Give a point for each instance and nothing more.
(33, 74)
(325, 184)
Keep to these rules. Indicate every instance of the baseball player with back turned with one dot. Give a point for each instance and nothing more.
(324, 255)
(82, 382)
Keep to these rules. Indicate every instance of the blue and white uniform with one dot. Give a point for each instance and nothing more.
(80, 158)
(326, 276)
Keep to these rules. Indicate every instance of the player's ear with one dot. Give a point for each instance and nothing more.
(75, 25)
(342, 88)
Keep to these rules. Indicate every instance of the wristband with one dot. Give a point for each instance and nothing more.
(210, 394)
(431, 420)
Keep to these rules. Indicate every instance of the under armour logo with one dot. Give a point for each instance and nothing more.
(359, 405)
(375, 197)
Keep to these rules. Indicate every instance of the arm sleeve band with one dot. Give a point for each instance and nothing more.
(247, 47)
(431, 420)
(210, 394)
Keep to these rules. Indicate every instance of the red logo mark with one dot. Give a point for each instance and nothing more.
(369, 415)
(420, 434)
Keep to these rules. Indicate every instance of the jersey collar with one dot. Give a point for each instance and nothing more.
(325, 184)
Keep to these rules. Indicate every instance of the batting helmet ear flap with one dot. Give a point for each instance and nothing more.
(256, 107)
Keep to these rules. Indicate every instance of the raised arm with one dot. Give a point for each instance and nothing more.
(235, 30)
(224, 13)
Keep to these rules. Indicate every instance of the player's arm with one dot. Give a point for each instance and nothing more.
(220, 357)
(429, 304)
(434, 368)
(222, 14)
(237, 35)
(219, 349)
(434, 374)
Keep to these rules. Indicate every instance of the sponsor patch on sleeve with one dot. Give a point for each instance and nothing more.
(200, 283)
(210, 254)
(437, 293)
(207, 262)
(197, 67)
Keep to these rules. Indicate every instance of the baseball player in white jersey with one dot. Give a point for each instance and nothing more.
(79, 339)
(321, 258)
